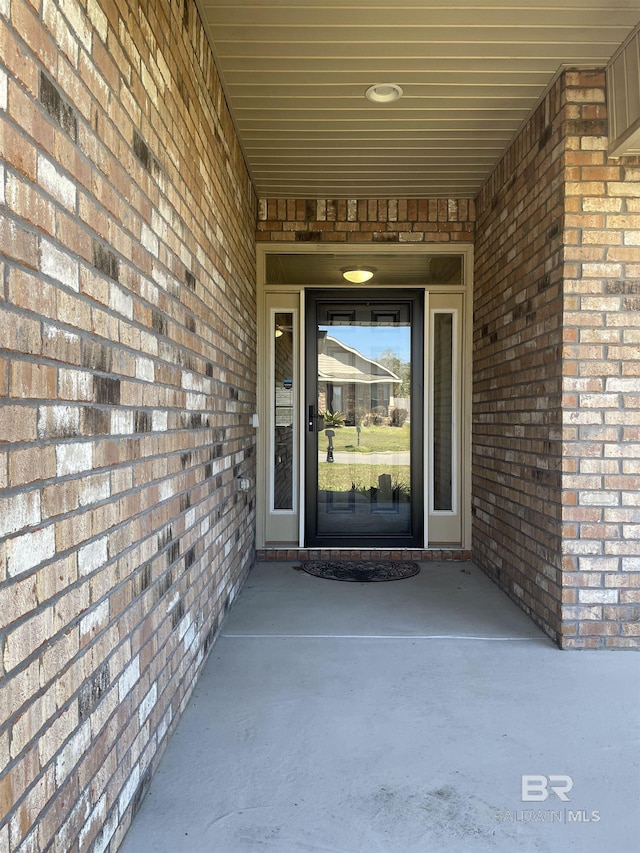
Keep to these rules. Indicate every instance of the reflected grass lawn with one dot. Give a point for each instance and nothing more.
(338, 477)
(373, 439)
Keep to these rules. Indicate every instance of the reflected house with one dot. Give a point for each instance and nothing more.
(351, 383)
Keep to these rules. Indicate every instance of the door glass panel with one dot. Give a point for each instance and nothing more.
(283, 409)
(443, 411)
(363, 421)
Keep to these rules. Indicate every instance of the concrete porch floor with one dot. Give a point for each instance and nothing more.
(395, 718)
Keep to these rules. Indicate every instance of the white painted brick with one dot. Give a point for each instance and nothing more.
(52, 333)
(145, 369)
(55, 183)
(598, 564)
(28, 551)
(29, 844)
(582, 546)
(599, 401)
(598, 499)
(18, 512)
(189, 635)
(166, 490)
(122, 422)
(163, 725)
(98, 19)
(160, 421)
(74, 13)
(594, 143)
(148, 343)
(598, 596)
(4, 88)
(195, 401)
(66, 834)
(147, 704)
(632, 238)
(77, 384)
(129, 789)
(92, 556)
(3, 199)
(72, 752)
(590, 417)
(191, 382)
(624, 385)
(129, 678)
(149, 239)
(121, 302)
(96, 818)
(631, 531)
(94, 489)
(73, 458)
(622, 451)
(95, 619)
(572, 612)
(106, 833)
(631, 564)
(160, 277)
(59, 265)
(59, 420)
(5, 9)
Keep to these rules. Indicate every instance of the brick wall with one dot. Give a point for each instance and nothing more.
(601, 382)
(517, 384)
(366, 220)
(127, 364)
(556, 387)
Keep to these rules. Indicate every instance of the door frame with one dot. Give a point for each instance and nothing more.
(336, 296)
(290, 295)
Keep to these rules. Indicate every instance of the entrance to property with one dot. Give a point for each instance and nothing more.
(364, 408)
(364, 396)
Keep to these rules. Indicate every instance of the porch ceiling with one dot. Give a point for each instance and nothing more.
(295, 74)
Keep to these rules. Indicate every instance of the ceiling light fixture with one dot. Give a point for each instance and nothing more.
(357, 275)
(384, 93)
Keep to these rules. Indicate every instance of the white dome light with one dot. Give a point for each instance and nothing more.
(357, 275)
(384, 93)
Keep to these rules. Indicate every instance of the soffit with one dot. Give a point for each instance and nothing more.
(295, 76)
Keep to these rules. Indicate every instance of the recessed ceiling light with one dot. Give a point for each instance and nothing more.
(357, 275)
(384, 93)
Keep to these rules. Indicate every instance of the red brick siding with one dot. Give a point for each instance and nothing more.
(518, 369)
(601, 382)
(366, 220)
(127, 364)
(556, 384)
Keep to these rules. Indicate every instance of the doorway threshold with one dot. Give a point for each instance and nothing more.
(283, 553)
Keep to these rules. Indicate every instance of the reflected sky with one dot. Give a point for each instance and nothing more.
(371, 341)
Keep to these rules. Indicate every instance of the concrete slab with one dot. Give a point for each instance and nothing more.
(396, 718)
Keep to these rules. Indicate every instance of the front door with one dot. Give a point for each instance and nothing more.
(364, 413)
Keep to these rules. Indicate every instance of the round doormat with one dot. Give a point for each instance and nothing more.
(361, 571)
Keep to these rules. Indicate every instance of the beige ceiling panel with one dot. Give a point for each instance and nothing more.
(292, 16)
(446, 66)
(507, 5)
(331, 51)
(295, 74)
(415, 96)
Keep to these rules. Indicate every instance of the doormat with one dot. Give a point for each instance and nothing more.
(361, 571)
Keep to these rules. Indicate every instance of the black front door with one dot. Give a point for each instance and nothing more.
(364, 424)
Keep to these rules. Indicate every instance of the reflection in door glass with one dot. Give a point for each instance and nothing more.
(443, 411)
(283, 408)
(364, 423)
